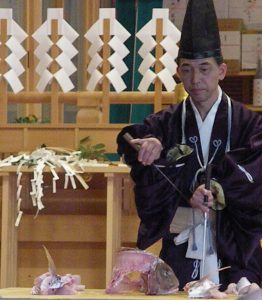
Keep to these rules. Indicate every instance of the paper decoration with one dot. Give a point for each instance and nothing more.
(65, 44)
(169, 44)
(16, 36)
(119, 36)
(50, 159)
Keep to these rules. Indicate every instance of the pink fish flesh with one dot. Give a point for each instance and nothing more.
(50, 283)
(137, 270)
(47, 284)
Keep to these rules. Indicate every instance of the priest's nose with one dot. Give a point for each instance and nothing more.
(195, 76)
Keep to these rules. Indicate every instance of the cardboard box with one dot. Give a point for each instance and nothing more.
(221, 7)
(233, 66)
(235, 24)
(231, 44)
(250, 49)
(249, 11)
(177, 10)
(230, 36)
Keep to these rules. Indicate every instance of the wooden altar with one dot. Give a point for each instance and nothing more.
(23, 293)
(114, 177)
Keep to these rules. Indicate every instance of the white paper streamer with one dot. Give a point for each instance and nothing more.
(64, 81)
(116, 80)
(16, 35)
(147, 62)
(13, 80)
(148, 78)
(67, 68)
(39, 159)
(169, 44)
(119, 36)
(117, 62)
(44, 63)
(96, 77)
(95, 62)
(15, 64)
(44, 80)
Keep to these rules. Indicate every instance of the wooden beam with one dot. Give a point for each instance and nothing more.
(158, 65)
(105, 69)
(54, 68)
(3, 70)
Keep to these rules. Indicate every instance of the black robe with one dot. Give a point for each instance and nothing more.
(239, 224)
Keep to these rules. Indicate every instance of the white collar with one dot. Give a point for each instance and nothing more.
(212, 111)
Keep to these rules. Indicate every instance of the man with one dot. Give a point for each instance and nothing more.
(208, 128)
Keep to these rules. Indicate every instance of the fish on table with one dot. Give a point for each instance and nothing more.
(205, 288)
(50, 283)
(139, 270)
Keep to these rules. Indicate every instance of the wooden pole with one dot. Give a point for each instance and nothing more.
(91, 12)
(158, 65)
(54, 68)
(3, 70)
(86, 99)
(33, 21)
(105, 70)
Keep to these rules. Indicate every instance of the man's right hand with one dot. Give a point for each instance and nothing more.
(150, 150)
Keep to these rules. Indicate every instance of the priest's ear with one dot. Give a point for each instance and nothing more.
(222, 70)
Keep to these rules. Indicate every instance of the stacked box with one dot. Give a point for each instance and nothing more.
(177, 10)
(230, 35)
(250, 49)
(249, 11)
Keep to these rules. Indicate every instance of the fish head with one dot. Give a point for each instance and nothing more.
(162, 280)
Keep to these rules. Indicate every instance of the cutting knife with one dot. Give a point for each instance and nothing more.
(204, 251)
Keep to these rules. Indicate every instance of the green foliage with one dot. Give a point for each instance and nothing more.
(89, 151)
(27, 119)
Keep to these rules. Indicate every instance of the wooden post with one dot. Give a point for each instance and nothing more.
(91, 12)
(105, 70)
(9, 232)
(113, 220)
(54, 68)
(3, 69)
(33, 21)
(158, 65)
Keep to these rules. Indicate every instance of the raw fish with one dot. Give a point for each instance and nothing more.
(137, 270)
(51, 283)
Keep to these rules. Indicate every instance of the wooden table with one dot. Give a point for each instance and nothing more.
(25, 293)
(114, 174)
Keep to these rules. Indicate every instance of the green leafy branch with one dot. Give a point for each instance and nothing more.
(27, 119)
(89, 151)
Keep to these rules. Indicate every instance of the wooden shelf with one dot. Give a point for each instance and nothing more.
(242, 73)
(254, 108)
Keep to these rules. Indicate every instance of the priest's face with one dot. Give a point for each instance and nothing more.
(201, 77)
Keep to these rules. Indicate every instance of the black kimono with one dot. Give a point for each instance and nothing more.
(237, 168)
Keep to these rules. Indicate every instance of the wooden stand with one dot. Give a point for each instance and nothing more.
(115, 182)
(19, 293)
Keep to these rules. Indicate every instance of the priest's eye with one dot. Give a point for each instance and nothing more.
(185, 70)
(204, 70)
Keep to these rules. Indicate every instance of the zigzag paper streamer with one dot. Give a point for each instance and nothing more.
(171, 37)
(65, 44)
(16, 36)
(120, 35)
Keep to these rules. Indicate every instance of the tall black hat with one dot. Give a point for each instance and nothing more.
(200, 35)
